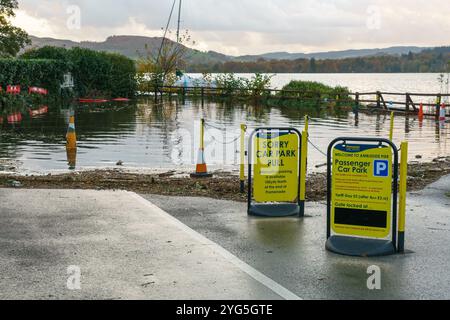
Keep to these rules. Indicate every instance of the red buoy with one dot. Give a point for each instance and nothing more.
(121, 99)
(88, 100)
(14, 118)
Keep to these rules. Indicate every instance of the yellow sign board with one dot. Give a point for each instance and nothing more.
(361, 190)
(276, 166)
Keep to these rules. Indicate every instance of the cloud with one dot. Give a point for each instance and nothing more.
(252, 26)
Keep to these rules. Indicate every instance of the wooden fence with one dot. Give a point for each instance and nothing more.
(384, 101)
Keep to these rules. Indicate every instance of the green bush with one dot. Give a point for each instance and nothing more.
(97, 74)
(229, 83)
(254, 87)
(312, 89)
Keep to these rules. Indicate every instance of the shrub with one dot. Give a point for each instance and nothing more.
(311, 89)
(309, 94)
(95, 73)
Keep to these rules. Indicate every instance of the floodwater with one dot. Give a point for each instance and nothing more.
(143, 135)
(371, 82)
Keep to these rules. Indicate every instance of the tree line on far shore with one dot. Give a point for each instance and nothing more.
(430, 60)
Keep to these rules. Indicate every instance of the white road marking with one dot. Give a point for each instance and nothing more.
(252, 272)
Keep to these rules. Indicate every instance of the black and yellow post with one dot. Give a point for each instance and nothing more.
(391, 130)
(242, 159)
(402, 198)
(71, 142)
(303, 167)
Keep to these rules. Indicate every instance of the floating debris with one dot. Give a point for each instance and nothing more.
(15, 183)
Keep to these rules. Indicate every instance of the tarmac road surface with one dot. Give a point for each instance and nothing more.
(127, 248)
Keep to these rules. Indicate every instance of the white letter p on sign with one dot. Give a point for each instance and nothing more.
(381, 167)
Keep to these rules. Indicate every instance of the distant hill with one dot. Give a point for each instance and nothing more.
(334, 54)
(130, 46)
(134, 46)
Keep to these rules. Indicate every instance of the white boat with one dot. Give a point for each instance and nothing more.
(188, 81)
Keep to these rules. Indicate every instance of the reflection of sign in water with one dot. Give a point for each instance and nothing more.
(276, 168)
(361, 190)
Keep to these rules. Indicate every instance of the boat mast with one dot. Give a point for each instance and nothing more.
(179, 21)
(165, 31)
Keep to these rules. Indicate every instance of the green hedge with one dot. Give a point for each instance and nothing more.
(44, 73)
(96, 74)
(102, 73)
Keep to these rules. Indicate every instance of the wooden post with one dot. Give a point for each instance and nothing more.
(356, 107)
(383, 101)
(438, 105)
(407, 103)
(378, 99)
(411, 103)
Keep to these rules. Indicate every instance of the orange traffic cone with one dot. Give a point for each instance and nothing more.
(421, 112)
(201, 170)
(71, 144)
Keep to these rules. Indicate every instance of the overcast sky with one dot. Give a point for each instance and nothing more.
(249, 26)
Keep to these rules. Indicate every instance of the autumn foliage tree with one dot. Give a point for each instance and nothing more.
(162, 66)
(430, 60)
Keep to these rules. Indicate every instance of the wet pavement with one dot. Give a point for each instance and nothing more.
(292, 252)
(124, 247)
(198, 248)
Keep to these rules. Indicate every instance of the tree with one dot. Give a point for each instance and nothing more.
(12, 39)
(162, 66)
(312, 65)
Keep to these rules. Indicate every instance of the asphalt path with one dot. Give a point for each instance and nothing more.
(292, 251)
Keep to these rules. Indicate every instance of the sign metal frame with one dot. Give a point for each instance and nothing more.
(274, 209)
(354, 246)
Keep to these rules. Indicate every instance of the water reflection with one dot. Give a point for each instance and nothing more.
(407, 125)
(71, 142)
(146, 134)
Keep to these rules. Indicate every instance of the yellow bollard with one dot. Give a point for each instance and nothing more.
(303, 167)
(202, 134)
(402, 200)
(391, 130)
(242, 162)
(71, 142)
(306, 124)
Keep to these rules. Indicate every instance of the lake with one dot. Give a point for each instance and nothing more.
(165, 136)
